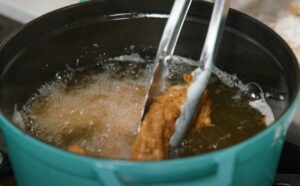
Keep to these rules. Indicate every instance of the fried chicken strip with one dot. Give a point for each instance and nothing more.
(152, 143)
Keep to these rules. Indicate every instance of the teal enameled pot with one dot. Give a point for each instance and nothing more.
(78, 34)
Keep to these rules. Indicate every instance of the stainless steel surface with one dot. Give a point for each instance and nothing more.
(165, 50)
(202, 74)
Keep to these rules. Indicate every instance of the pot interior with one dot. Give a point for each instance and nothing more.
(83, 35)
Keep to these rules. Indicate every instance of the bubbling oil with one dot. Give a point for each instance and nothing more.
(95, 109)
(99, 109)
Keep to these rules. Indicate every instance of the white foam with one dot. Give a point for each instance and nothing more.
(263, 107)
(261, 104)
(133, 57)
(17, 119)
(231, 80)
(183, 60)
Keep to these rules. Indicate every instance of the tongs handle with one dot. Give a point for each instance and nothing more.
(166, 48)
(202, 74)
(173, 27)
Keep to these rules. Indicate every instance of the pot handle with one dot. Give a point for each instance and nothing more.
(222, 174)
(225, 171)
(107, 176)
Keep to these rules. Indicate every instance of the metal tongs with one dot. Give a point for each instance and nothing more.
(200, 75)
(165, 50)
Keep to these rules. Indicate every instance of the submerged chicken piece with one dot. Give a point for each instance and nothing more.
(152, 143)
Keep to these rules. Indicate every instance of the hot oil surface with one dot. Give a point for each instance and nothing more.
(99, 109)
(233, 121)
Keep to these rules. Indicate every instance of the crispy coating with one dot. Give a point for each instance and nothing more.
(152, 143)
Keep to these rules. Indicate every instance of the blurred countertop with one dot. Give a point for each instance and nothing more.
(26, 10)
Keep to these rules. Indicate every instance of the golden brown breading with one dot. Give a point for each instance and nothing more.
(158, 126)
